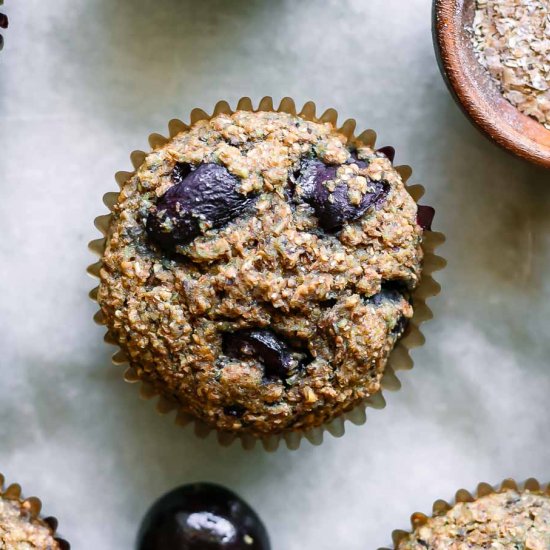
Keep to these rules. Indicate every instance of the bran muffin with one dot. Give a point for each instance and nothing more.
(258, 271)
(21, 528)
(506, 521)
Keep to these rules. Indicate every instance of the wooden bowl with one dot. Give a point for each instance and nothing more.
(474, 90)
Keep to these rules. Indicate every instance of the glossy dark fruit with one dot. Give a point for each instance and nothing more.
(401, 286)
(391, 291)
(334, 209)
(328, 303)
(181, 171)
(202, 516)
(200, 199)
(236, 411)
(400, 327)
(388, 152)
(3, 25)
(354, 159)
(262, 345)
(425, 216)
(384, 296)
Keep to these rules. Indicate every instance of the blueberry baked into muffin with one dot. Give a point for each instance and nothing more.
(510, 520)
(4, 22)
(258, 270)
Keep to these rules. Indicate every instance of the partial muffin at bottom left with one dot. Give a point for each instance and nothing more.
(22, 527)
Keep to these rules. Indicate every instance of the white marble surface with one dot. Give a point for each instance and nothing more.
(82, 83)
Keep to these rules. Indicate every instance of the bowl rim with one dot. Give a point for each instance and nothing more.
(446, 33)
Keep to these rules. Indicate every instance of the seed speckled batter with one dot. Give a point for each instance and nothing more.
(503, 521)
(18, 531)
(258, 271)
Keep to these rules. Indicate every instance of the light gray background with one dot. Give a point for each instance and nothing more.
(82, 84)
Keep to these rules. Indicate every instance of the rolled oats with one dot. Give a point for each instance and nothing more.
(511, 39)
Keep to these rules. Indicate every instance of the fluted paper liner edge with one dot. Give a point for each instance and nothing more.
(400, 357)
(34, 506)
(441, 507)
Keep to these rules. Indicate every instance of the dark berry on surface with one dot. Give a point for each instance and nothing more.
(400, 327)
(236, 411)
(388, 152)
(425, 216)
(262, 345)
(333, 209)
(200, 199)
(3, 25)
(385, 295)
(398, 285)
(391, 291)
(354, 159)
(328, 303)
(181, 171)
(202, 516)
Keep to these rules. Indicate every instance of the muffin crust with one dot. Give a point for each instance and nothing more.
(504, 521)
(18, 531)
(338, 299)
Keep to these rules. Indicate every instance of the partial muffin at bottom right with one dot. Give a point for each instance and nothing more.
(510, 519)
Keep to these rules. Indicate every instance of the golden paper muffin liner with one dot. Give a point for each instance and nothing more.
(441, 507)
(400, 357)
(33, 506)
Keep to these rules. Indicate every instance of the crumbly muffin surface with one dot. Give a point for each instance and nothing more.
(503, 521)
(318, 252)
(18, 531)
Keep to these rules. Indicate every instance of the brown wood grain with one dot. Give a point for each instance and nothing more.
(476, 93)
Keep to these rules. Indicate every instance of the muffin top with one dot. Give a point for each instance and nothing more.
(508, 520)
(19, 531)
(258, 270)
